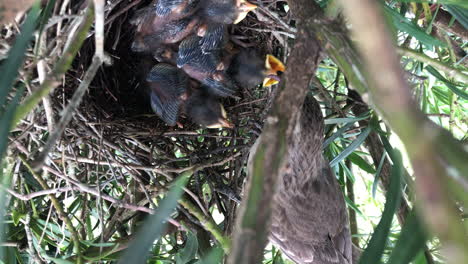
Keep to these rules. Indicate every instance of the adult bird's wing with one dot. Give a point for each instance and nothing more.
(309, 219)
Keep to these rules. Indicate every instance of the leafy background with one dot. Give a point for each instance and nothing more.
(116, 163)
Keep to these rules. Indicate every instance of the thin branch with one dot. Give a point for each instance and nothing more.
(29, 196)
(208, 223)
(450, 71)
(99, 32)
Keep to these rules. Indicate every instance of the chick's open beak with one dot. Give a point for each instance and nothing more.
(273, 66)
(222, 121)
(244, 8)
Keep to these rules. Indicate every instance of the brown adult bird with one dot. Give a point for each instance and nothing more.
(172, 93)
(309, 217)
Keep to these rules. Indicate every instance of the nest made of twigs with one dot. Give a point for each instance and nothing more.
(115, 141)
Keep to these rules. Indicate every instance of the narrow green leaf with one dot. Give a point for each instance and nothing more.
(9, 69)
(355, 144)
(388, 148)
(405, 25)
(154, 226)
(449, 84)
(45, 15)
(5, 121)
(411, 241)
(459, 12)
(361, 163)
(377, 174)
(349, 174)
(442, 95)
(376, 246)
(353, 206)
(345, 120)
(337, 134)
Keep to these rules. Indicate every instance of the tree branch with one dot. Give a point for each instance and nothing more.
(253, 221)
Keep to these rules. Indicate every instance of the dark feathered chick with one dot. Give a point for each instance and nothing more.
(226, 11)
(205, 109)
(215, 15)
(208, 68)
(169, 21)
(248, 69)
(213, 36)
(172, 92)
(176, 9)
(168, 89)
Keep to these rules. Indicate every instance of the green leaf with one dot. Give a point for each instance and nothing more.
(411, 241)
(45, 15)
(353, 206)
(337, 134)
(376, 246)
(403, 24)
(154, 225)
(189, 251)
(377, 174)
(215, 256)
(355, 144)
(345, 120)
(361, 163)
(459, 12)
(9, 68)
(16, 216)
(449, 84)
(461, 3)
(441, 95)
(5, 121)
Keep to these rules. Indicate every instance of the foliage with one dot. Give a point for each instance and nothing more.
(115, 164)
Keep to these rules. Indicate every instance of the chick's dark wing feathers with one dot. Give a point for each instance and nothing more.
(223, 88)
(166, 7)
(167, 111)
(189, 49)
(173, 80)
(172, 31)
(167, 84)
(214, 38)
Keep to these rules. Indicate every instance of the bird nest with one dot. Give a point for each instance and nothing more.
(116, 140)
